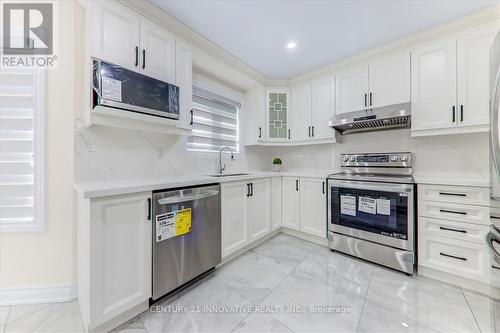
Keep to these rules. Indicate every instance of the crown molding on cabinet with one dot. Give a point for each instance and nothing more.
(477, 17)
(205, 47)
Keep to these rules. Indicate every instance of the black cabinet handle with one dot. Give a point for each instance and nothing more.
(260, 132)
(192, 118)
(371, 99)
(323, 187)
(495, 267)
(495, 217)
(461, 113)
(455, 230)
(136, 56)
(451, 256)
(149, 209)
(453, 194)
(452, 212)
(365, 99)
(288, 134)
(313, 131)
(453, 112)
(143, 58)
(251, 189)
(296, 185)
(248, 190)
(309, 127)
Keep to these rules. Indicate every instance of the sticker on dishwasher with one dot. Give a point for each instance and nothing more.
(173, 224)
(367, 205)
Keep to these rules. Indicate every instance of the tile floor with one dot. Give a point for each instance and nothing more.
(280, 280)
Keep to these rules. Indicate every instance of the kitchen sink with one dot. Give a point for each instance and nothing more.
(229, 175)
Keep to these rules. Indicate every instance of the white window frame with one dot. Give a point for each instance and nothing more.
(39, 115)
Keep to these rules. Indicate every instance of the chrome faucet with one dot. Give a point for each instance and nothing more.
(223, 167)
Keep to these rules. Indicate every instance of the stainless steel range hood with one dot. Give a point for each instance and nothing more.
(376, 119)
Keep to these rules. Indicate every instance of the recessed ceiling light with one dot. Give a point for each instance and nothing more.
(291, 45)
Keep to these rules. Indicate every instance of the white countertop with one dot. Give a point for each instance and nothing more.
(124, 186)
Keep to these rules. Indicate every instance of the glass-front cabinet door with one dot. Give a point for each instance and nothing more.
(278, 113)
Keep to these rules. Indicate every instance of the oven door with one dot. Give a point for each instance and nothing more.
(377, 212)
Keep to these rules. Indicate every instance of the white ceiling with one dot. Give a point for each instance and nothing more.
(256, 32)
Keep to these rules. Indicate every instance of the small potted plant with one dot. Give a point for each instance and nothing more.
(277, 164)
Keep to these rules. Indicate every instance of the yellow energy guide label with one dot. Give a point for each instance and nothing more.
(173, 224)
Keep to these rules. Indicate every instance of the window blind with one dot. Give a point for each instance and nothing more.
(214, 122)
(20, 149)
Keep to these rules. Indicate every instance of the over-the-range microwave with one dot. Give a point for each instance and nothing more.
(127, 90)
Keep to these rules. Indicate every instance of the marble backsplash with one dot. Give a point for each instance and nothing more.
(105, 153)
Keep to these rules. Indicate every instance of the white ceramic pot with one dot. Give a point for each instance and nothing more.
(277, 167)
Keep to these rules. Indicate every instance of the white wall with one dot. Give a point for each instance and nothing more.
(464, 155)
(47, 258)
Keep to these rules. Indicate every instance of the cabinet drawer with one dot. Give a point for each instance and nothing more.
(451, 229)
(454, 212)
(455, 194)
(465, 259)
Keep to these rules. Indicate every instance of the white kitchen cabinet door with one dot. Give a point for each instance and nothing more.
(473, 69)
(258, 208)
(254, 116)
(389, 80)
(157, 51)
(278, 114)
(275, 203)
(313, 206)
(114, 33)
(323, 107)
(301, 114)
(290, 202)
(433, 85)
(233, 214)
(351, 89)
(184, 78)
(120, 255)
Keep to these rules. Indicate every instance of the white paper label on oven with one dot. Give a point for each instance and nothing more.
(111, 89)
(367, 205)
(383, 207)
(348, 205)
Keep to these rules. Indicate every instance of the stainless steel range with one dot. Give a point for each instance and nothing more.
(371, 209)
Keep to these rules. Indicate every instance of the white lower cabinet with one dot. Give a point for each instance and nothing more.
(245, 213)
(275, 203)
(114, 256)
(313, 206)
(290, 202)
(452, 226)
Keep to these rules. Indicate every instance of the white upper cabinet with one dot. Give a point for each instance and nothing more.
(253, 116)
(278, 114)
(114, 33)
(157, 51)
(301, 116)
(184, 78)
(351, 89)
(433, 87)
(389, 80)
(473, 69)
(450, 82)
(323, 107)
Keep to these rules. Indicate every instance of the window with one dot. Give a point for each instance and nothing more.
(21, 124)
(215, 122)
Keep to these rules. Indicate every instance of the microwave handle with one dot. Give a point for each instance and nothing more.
(386, 187)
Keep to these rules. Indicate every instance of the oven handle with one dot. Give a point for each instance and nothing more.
(386, 187)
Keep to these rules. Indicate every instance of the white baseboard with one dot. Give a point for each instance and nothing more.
(37, 295)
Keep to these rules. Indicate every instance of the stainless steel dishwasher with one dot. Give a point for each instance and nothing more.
(186, 236)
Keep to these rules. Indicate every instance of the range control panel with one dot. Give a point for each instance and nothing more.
(388, 160)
